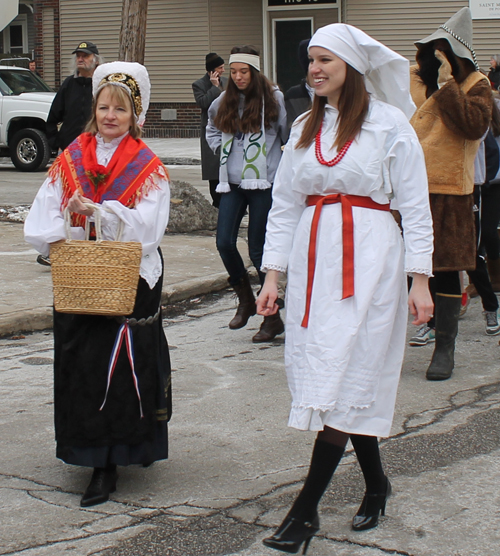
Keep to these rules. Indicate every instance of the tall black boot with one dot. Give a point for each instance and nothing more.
(447, 311)
(378, 487)
(302, 521)
(246, 303)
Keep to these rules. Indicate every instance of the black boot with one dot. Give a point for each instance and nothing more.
(271, 326)
(246, 305)
(447, 312)
(103, 482)
(302, 521)
(378, 487)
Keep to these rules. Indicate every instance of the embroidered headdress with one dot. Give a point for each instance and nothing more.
(132, 77)
(387, 74)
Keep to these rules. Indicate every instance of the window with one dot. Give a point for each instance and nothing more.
(15, 36)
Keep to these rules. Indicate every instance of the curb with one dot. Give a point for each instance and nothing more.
(179, 161)
(40, 318)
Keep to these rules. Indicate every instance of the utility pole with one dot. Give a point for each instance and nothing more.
(133, 31)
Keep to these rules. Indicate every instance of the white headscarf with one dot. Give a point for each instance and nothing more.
(387, 74)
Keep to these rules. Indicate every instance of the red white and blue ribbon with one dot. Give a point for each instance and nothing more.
(123, 332)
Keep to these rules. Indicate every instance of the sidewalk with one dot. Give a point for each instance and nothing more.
(176, 151)
(192, 263)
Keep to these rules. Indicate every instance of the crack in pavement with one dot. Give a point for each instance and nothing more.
(75, 539)
(349, 542)
(481, 392)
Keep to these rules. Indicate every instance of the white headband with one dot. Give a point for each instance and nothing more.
(250, 59)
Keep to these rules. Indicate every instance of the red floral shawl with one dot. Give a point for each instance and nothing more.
(131, 174)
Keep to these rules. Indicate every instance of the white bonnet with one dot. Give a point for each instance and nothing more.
(387, 74)
(132, 77)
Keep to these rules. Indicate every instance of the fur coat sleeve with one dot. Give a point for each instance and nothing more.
(465, 114)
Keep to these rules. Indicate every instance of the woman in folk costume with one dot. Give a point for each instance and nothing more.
(347, 296)
(103, 423)
(247, 124)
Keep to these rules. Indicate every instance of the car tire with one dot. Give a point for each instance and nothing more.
(29, 150)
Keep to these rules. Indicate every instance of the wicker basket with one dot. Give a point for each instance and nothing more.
(95, 277)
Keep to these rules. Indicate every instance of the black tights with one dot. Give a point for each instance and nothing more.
(327, 453)
(447, 282)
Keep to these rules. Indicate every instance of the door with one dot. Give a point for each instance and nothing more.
(287, 34)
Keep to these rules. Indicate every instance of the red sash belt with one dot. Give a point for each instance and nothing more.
(347, 202)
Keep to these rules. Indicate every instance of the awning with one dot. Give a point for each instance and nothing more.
(10, 9)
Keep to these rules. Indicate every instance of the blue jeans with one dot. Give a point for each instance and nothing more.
(231, 211)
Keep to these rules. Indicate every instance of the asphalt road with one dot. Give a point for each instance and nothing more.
(235, 467)
(19, 188)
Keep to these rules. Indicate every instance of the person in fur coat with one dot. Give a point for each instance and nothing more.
(454, 104)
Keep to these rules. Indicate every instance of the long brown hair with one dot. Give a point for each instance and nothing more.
(260, 90)
(353, 107)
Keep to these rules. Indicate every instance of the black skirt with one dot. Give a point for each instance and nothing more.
(87, 435)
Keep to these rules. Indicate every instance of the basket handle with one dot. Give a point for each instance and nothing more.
(97, 220)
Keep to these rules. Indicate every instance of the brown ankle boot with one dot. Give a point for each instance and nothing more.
(269, 329)
(246, 305)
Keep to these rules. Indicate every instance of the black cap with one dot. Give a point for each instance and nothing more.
(212, 61)
(87, 47)
(304, 55)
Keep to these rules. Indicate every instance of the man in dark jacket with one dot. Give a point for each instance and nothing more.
(72, 106)
(299, 97)
(205, 91)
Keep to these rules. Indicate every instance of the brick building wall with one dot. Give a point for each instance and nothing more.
(38, 8)
(186, 124)
(187, 115)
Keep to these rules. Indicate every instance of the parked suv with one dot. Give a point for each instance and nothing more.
(25, 101)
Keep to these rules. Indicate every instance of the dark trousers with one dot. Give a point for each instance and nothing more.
(486, 220)
(490, 218)
(232, 208)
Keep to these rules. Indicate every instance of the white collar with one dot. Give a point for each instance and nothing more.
(112, 144)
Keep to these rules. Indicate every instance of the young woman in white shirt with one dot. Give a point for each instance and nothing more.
(330, 228)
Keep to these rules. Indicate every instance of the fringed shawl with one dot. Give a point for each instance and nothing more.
(133, 171)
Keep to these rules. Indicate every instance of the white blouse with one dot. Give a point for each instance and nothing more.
(384, 163)
(145, 223)
(343, 369)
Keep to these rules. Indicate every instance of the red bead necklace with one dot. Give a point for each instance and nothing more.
(340, 155)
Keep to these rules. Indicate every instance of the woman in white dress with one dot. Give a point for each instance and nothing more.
(347, 297)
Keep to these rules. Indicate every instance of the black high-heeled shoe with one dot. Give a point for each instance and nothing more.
(292, 533)
(372, 506)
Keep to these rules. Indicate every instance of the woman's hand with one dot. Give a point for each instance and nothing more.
(75, 204)
(420, 300)
(268, 294)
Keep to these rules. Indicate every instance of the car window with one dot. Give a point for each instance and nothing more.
(15, 82)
